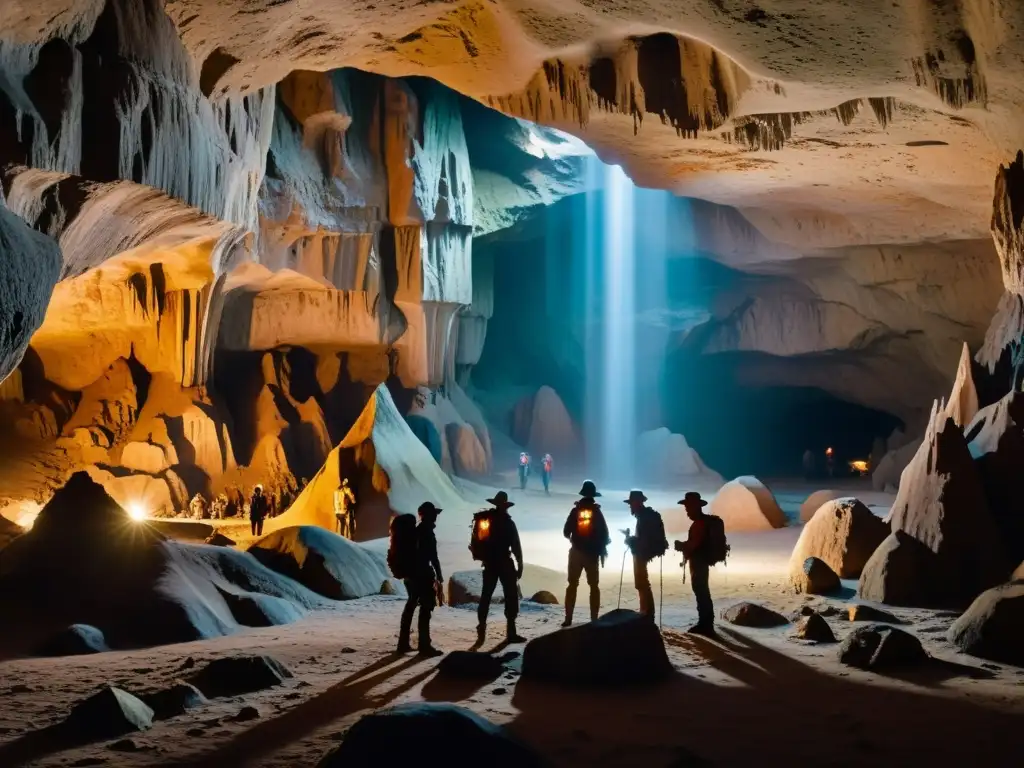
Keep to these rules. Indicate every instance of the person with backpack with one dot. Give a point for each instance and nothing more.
(412, 557)
(648, 543)
(587, 532)
(524, 469)
(258, 509)
(494, 543)
(547, 464)
(704, 547)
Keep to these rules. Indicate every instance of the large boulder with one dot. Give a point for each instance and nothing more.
(746, 504)
(238, 675)
(996, 442)
(902, 571)
(753, 615)
(942, 505)
(76, 640)
(322, 561)
(879, 647)
(814, 577)
(661, 456)
(176, 699)
(85, 561)
(620, 648)
(542, 424)
(993, 626)
(108, 714)
(814, 628)
(429, 734)
(813, 502)
(843, 533)
(465, 587)
(467, 453)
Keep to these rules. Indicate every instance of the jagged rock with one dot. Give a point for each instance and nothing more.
(544, 597)
(879, 647)
(323, 561)
(237, 675)
(860, 612)
(8, 531)
(76, 640)
(387, 588)
(807, 610)
(993, 626)
(941, 505)
(996, 441)
(426, 733)
(814, 627)
(747, 504)
(176, 700)
(471, 665)
(465, 587)
(1018, 573)
(813, 502)
(542, 424)
(753, 615)
(890, 469)
(467, 453)
(109, 713)
(144, 457)
(902, 571)
(815, 578)
(620, 648)
(245, 714)
(843, 533)
(218, 539)
(963, 399)
(125, 745)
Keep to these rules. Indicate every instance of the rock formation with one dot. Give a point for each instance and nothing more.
(817, 500)
(665, 458)
(843, 533)
(991, 628)
(542, 424)
(747, 504)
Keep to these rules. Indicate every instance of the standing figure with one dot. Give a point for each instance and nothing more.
(524, 469)
(412, 556)
(587, 531)
(257, 510)
(648, 543)
(547, 465)
(808, 463)
(705, 546)
(495, 542)
(830, 461)
(345, 510)
(219, 506)
(198, 507)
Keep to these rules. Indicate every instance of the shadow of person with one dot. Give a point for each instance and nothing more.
(770, 707)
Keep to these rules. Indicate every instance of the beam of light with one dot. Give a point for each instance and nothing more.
(619, 264)
(136, 511)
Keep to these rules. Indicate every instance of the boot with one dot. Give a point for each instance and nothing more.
(570, 606)
(595, 604)
(481, 632)
(511, 635)
(403, 644)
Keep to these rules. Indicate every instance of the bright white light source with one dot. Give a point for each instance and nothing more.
(136, 511)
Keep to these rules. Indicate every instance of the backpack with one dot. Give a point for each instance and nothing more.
(481, 540)
(654, 544)
(591, 529)
(716, 546)
(402, 547)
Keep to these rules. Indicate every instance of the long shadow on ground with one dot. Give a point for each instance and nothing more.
(775, 710)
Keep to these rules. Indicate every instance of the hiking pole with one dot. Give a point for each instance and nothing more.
(622, 570)
(661, 592)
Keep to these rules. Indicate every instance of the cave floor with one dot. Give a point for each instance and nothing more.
(749, 697)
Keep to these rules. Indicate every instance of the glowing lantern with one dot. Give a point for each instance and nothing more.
(584, 517)
(828, 451)
(483, 529)
(860, 466)
(136, 511)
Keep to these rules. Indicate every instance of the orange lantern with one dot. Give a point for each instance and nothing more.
(828, 451)
(584, 517)
(483, 529)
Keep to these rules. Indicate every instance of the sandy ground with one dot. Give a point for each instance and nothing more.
(752, 696)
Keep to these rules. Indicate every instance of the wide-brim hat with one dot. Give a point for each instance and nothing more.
(589, 489)
(691, 498)
(501, 500)
(635, 495)
(428, 508)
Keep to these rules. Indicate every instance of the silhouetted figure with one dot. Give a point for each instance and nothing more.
(345, 510)
(587, 531)
(495, 542)
(808, 462)
(257, 510)
(695, 552)
(219, 506)
(422, 574)
(198, 507)
(648, 543)
(830, 462)
(547, 464)
(524, 469)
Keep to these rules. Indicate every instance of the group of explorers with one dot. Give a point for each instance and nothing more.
(258, 508)
(494, 542)
(525, 463)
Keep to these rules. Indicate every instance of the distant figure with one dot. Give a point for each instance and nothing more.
(219, 507)
(198, 507)
(808, 462)
(830, 462)
(524, 469)
(704, 546)
(257, 510)
(345, 510)
(495, 542)
(648, 543)
(547, 465)
(412, 556)
(587, 530)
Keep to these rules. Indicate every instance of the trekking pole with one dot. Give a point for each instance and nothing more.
(622, 572)
(661, 592)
